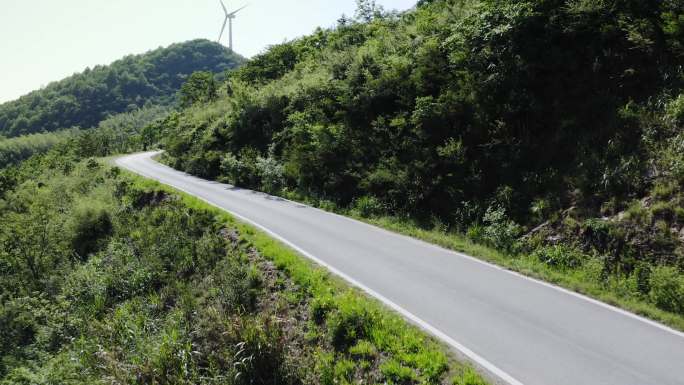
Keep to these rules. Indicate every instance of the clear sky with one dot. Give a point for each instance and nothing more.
(46, 40)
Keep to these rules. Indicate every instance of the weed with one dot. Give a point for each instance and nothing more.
(363, 349)
(396, 373)
(667, 289)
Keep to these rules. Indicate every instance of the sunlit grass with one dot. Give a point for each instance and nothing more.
(356, 324)
(583, 280)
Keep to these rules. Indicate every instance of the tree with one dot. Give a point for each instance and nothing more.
(86, 99)
(201, 87)
(367, 10)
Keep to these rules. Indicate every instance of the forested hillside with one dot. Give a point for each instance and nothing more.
(549, 129)
(544, 135)
(106, 278)
(135, 81)
(14, 150)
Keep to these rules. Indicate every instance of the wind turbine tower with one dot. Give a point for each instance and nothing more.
(229, 20)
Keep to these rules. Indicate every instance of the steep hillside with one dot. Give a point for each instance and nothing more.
(543, 128)
(107, 278)
(87, 98)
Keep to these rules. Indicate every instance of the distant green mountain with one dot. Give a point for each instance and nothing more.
(87, 98)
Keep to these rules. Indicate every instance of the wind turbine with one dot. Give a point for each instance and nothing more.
(229, 19)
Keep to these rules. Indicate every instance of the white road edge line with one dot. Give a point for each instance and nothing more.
(479, 360)
(520, 275)
(497, 267)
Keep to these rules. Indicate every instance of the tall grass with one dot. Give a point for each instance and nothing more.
(357, 326)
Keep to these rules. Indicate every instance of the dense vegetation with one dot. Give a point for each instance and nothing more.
(549, 129)
(14, 150)
(118, 134)
(106, 278)
(128, 84)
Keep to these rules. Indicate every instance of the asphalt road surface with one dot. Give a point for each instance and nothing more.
(520, 330)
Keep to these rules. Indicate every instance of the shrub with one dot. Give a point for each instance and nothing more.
(560, 256)
(499, 231)
(469, 377)
(237, 285)
(92, 164)
(675, 110)
(637, 213)
(663, 210)
(369, 206)
(349, 323)
(642, 277)
(476, 233)
(200, 87)
(19, 320)
(396, 373)
(345, 369)
(272, 174)
(260, 356)
(667, 289)
(91, 222)
(325, 367)
(86, 289)
(599, 234)
(320, 307)
(363, 349)
(230, 168)
(467, 213)
(241, 170)
(664, 190)
(540, 209)
(327, 205)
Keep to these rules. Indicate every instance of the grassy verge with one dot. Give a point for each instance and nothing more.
(586, 279)
(359, 330)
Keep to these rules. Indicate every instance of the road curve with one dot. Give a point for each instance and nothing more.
(521, 330)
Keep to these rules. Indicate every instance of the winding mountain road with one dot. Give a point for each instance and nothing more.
(520, 330)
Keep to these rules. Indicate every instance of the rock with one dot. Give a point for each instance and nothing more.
(554, 239)
(230, 234)
(536, 229)
(646, 202)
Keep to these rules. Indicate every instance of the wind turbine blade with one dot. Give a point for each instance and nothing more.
(224, 7)
(223, 28)
(237, 10)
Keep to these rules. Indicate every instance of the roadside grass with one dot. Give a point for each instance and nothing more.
(586, 279)
(359, 327)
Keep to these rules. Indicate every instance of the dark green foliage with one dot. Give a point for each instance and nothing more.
(448, 103)
(199, 88)
(122, 133)
(104, 278)
(147, 271)
(348, 324)
(369, 206)
(87, 98)
(14, 150)
(126, 132)
(560, 256)
(487, 116)
(667, 289)
(91, 224)
(274, 63)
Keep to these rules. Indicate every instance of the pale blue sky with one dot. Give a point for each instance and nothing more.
(46, 40)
